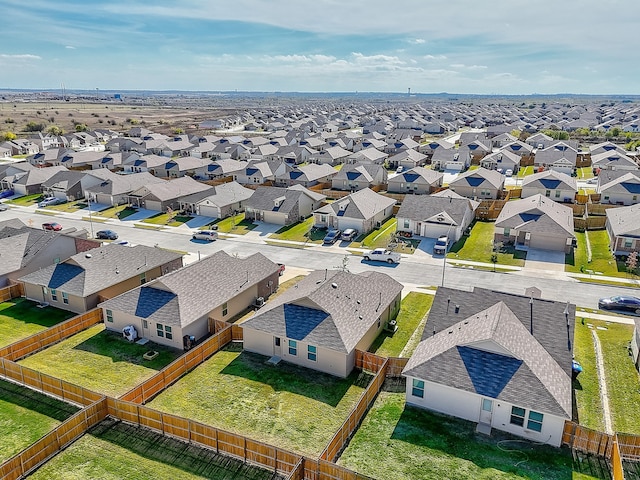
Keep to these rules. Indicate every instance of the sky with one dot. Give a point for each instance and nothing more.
(429, 46)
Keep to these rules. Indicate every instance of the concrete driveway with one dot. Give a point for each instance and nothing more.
(544, 260)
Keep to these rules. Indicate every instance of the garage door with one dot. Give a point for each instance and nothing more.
(434, 230)
(209, 211)
(547, 242)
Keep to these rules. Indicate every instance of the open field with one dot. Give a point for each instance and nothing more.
(25, 416)
(288, 406)
(21, 318)
(101, 361)
(113, 451)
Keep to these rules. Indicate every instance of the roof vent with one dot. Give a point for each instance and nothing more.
(334, 285)
(87, 255)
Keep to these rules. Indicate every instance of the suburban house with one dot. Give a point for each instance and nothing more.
(153, 164)
(418, 180)
(26, 249)
(498, 359)
(559, 156)
(185, 301)
(605, 147)
(221, 168)
(481, 184)
(160, 196)
(181, 166)
(324, 319)
(255, 173)
(115, 190)
(83, 280)
(502, 161)
(282, 206)
(536, 222)
(358, 176)
(622, 189)
(220, 201)
(10, 171)
(30, 182)
(443, 213)
(613, 160)
(306, 175)
(332, 156)
(363, 210)
(623, 225)
(450, 159)
(407, 159)
(553, 184)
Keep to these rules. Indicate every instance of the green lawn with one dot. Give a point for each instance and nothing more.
(26, 200)
(412, 310)
(235, 224)
(380, 237)
(25, 416)
(21, 318)
(395, 442)
(168, 219)
(113, 451)
(68, 206)
(101, 361)
(602, 260)
(585, 172)
(120, 212)
(291, 407)
(478, 247)
(586, 387)
(523, 172)
(300, 232)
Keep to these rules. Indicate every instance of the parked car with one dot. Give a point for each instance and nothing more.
(349, 234)
(47, 201)
(441, 245)
(592, 181)
(52, 226)
(400, 169)
(3, 207)
(107, 234)
(620, 302)
(208, 235)
(382, 255)
(508, 173)
(331, 237)
(6, 193)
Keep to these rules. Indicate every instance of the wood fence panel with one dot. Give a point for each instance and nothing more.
(260, 453)
(39, 451)
(52, 385)
(13, 371)
(286, 461)
(297, 473)
(231, 444)
(204, 435)
(237, 333)
(395, 366)
(125, 411)
(629, 446)
(11, 469)
(151, 419)
(71, 429)
(177, 426)
(32, 378)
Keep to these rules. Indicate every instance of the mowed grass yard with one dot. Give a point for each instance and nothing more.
(112, 451)
(602, 260)
(478, 247)
(101, 361)
(395, 441)
(586, 387)
(287, 406)
(25, 416)
(22, 318)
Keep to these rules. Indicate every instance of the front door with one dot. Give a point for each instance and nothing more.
(277, 349)
(486, 411)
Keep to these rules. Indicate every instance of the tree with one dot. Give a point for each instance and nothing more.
(55, 130)
(494, 260)
(34, 127)
(632, 262)
(7, 136)
(81, 127)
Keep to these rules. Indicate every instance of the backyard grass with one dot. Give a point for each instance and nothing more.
(168, 219)
(101, 361)
(622, 378)
(288, 406)
(21, 318)
(380, 237)
(478, 247)
(602, 260)
(585, 172)
(300, 232)
(113, 450)
(586, 387)
(237, 225)
(412, 310)
(26, 200)
(414, 444)
(25, 416)
(524, 171)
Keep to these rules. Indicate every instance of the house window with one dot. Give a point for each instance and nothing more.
(418, 388)
(225, 309)
(160, 329)
(143, 278)
(145, 324)
(557, 193)
(628, 243)
(277, 341)
(293, 347)
(65, 298)
(547, 193)
(312, 353)
(606, 197)
(109, 314)
(54, 295)
(517, 416)
(507, 231)
(167, 332)
(57, 259)
(406, 223)
(535, 421)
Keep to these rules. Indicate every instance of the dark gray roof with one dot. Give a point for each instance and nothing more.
(264, 198)
(363, 204)
(481, 178)
(624, 221)
(493, 354)
(90, 272)
(20, 244)
(537, 213)
(185, 295)
(331, 309)
(121, 184)
(425, 207)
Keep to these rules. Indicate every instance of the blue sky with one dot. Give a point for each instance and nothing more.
(458, 46)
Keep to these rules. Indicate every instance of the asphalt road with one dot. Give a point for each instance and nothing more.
(411, 270)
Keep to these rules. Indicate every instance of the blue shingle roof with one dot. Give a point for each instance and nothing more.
(62, 274)
(474, 181)
(631, 187)
(151, 300)
(301, 321)
(549, 183)
(411, 177)
(529, 217)
(489, 372)
(353, 175)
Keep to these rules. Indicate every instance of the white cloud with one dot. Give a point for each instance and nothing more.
(25, 56)
(468, 67)
(70, 47)
(417, 41)
(435, 57)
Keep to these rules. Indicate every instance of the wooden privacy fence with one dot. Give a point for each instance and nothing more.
(587, 440)
(369, 361)
(172, 372)
(49, 445)
(589, 223)
(41, 340)
(11, 291)
(344, 433)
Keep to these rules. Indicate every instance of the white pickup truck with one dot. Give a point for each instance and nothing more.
(382, 255)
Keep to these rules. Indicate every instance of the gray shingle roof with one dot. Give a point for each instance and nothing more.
(264, 198)
(537, 214)
(423, 207)
(20, 244)
(185, 295)
(363, 204)
(332, 317)
(90, 272)
(541, 180)
(493, 354)
(624, 221)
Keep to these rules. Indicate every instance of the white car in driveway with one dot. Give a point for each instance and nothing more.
(382, 255)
